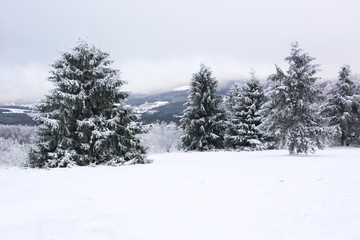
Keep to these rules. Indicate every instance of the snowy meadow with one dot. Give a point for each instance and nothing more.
(203, 193)
(188, 195)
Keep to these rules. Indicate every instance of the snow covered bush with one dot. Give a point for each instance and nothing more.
(21, 134)
(15, 142)
(84, 120)
(12, 153)
(162, 137)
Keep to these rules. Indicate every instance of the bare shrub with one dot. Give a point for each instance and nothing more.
(21, 134)
(12, 153)
(15, 142)
(162, 137)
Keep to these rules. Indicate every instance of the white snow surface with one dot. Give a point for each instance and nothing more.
(147, 107)
(182, 88)
(16, 110)
(203, 196)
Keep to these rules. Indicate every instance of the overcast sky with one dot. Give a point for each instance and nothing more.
(159, 44)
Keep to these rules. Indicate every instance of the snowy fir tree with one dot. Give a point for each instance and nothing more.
(243, 106)
(83, 121)
(342, 108)
(203, 121)
(292, 110)
(232, 99)
(233, 138)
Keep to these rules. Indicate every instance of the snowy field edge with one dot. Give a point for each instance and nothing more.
(189, 195)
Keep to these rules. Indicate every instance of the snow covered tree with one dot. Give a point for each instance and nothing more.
(292, 110)
(203, 121)
(232, 99)
(243, 110)
(83, 121)
(342, 107)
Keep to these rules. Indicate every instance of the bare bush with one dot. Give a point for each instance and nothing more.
(162, 137)
(12, 153)
(15, 142)
(21, 134)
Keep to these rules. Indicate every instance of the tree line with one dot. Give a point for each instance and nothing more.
(294, 113)
(84, 121)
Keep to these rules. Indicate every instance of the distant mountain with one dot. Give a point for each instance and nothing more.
(16, 115)
(165, 106)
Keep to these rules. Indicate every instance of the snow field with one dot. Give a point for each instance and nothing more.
(202, 196)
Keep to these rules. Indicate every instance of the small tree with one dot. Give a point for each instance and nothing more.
(342, 107)
(203, 121)
(84, 120)
(243, 111)
(292, 109)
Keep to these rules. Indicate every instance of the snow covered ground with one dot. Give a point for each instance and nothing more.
(202, 196)
(15, 110)
(147, 107)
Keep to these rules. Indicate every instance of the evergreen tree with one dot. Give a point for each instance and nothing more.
(233, 139)
(291, 112)
(203, 121)
(83, 121)
(232, 99)
(243, 111)
(342, 107)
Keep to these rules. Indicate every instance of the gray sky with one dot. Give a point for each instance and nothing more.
(159, 44)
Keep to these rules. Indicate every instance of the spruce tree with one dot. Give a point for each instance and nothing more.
(83, 121)
(203, 121)
(292, 110)
(342, 108)
(233, 139)
(243, 111)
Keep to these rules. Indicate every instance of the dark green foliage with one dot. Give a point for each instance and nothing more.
(204, 120)
(84, 121)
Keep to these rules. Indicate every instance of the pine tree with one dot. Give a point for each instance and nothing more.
(83, 121)
(342, 107)
(292, 109)
(243, 111)
(203, 121)
(233, 138)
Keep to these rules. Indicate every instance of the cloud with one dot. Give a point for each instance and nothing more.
(159, 44)
(23, 84)
(28, 83)
(156, 75)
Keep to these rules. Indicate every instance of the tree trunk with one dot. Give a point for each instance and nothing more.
(343, 139)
